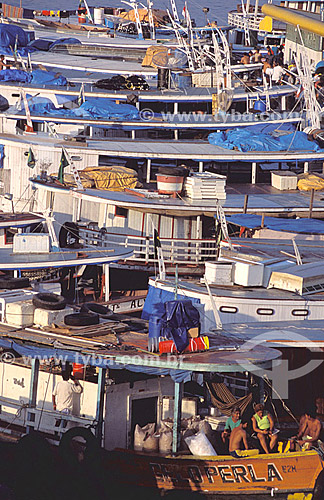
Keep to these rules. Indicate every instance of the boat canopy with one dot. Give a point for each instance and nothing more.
(35, 351)
(271, 137)
(250, 221)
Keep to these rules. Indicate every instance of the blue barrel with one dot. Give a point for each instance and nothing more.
(260, 105)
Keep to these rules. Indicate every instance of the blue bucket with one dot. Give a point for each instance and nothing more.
(260, 105)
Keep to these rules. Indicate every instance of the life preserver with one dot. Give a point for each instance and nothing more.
(69, 235)
(6, 282)
(81, 319)
(49, 301)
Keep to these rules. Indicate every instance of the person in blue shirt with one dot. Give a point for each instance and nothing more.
(233, 421)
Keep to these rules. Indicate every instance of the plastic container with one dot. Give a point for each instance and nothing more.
(98, 15)
(78, 369)
(169, 184)
(260, 105)
(82, 15)
(195, 344)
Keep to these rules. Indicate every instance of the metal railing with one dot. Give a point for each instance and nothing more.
(35, 418)
(175, 250)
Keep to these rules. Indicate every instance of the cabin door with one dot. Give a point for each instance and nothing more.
(143, 411)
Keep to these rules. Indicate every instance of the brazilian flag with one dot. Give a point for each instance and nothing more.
(63, 163)
(31, 162)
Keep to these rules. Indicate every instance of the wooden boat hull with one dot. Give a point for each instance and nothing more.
(290, 476)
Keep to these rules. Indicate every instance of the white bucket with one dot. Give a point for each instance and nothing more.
(98, 15)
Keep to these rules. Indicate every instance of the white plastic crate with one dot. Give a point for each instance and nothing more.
(31, 243)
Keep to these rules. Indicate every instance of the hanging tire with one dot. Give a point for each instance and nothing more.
(69, 235)
(81, 319)
(6, 282)
(96, 308)
(318, 493)
(92, 447)
(49, 301)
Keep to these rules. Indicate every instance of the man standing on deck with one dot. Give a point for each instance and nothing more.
(63, 396)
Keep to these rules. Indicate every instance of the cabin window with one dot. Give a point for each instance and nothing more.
(121, 212)
(265, 312)
(300, 312)
(228, 309)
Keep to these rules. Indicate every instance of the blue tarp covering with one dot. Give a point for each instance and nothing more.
(9, 34)
(158, 296)
(91, 108)
(40, 77)
(263, 138)
(96, 107)
(309, 226)
(67, 41)
(75, 357)
(180, 316)
(15, 75)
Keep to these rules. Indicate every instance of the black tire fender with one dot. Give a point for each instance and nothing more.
(6, 282)
(81, 319)
(318, 493)
(92, 446)
(95, 308)
(49, 301)
(68, 231)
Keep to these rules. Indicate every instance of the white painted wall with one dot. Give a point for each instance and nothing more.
(15, 382)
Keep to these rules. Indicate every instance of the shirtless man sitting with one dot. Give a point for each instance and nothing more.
(238, 440)
(309, 431)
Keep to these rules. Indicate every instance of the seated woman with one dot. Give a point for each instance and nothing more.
(233, 421)
(263, 426)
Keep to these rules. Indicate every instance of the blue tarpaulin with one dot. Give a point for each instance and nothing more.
(309, 226)
(40, 77)
(158, 296)
(65, 41)
(15, 75)
(91, 108)
(263, 138)
(37, 77)
(180, 316)
(12, 35)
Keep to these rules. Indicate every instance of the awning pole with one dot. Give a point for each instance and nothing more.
(100, 403)
(178, 390)
(32, 394)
